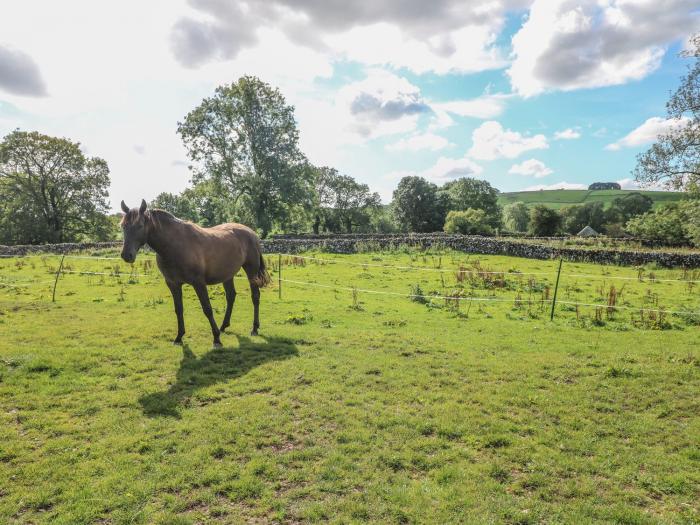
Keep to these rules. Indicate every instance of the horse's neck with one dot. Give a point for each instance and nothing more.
(163, 235)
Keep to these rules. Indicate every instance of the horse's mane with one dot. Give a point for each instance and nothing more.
(158, 216)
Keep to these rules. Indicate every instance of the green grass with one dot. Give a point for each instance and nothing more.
(560, 198)
(350, 408)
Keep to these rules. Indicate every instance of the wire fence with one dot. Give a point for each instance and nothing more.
(690, 279)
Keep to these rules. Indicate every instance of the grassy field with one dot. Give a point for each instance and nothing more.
(559, 198)
(352, 407)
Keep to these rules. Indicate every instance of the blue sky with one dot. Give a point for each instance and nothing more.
(522, 93)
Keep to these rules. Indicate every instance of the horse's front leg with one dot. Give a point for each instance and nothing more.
(176, 290)
(203, 295)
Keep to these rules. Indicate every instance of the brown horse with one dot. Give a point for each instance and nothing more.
(189, 254)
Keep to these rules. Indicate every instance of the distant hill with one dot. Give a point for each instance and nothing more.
(559, 198)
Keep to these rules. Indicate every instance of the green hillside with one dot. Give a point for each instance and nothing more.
(560, 198)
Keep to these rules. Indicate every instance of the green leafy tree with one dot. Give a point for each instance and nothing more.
(516, 216)
(477, 194)
(544, 221)
(674, 159)
(245, 140)
(50, 191)
(669, 224)
(382, 220)
(575, 218)
(622, 209)
(468, 222)
(179, 205)
(342, 204)
(418, 206)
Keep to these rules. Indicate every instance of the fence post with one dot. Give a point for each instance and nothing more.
(279, 276)
(58, 273)
(556, 288)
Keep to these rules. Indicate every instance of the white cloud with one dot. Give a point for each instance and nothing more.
(567, 134)
(381, 104)
(444, 170)
(648, 132)
(483, 107)
(420, 141)
(631, 184)
(441, 36)
(570, 44)
(557, 186)
(628, 184)
(447, 169)
(491, 141)
(530, 168)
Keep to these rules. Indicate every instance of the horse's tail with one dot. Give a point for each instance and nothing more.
(262, 278)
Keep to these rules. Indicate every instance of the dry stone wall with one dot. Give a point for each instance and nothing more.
(354, 243)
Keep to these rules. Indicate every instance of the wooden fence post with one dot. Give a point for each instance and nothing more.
(279, 276)
(556, 289)
(58, 273)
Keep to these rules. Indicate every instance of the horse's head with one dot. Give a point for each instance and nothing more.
(135, 227)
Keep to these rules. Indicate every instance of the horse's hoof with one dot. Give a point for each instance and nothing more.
(217, 344)
(177, 342)
(253, 332)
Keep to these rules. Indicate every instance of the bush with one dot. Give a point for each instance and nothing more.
(468, 222)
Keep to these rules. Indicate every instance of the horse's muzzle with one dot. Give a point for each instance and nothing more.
(129, 257)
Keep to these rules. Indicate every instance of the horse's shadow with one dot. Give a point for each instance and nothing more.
(216, 366)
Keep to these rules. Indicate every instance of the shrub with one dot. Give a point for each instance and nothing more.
(468, 222)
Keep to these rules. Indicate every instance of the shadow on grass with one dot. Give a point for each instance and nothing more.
(216, 366)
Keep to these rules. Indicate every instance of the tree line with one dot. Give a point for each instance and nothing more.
(247, 166)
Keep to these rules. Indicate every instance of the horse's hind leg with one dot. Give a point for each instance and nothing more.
(255, 294)
(230, 290)
(176, 290)
(203, 295)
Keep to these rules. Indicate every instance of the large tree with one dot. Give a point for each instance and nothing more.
(342, 202)
(544, 221)
(674, 160)
(577, 217)
(622, 209)
(516, 216)
(50, 192)
(465, 193)
(245, 139)
(418, 206)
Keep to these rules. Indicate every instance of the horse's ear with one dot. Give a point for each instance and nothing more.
(125, 208)
(142, 209)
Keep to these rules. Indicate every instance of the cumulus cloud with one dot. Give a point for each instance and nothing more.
(483, 107)
(441, 36)
(19, 74)
(530, 168)
(570, 44)
(567, 134)
(648, 132)
(490, 141)
(381, 104)
(419, 141)
(444, 170)
(447, 169)
(557, 186)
